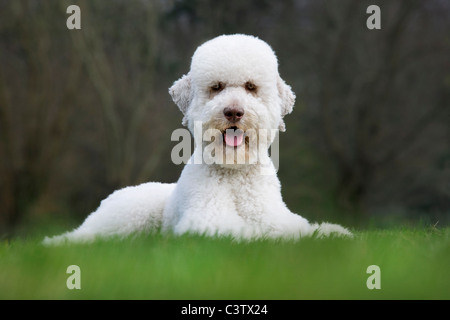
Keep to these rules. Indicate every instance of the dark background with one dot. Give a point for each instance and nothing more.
(84, 112)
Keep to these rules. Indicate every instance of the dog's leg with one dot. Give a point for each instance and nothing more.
(202, 203)
(126, 211)
(277, 220)
(326, 229)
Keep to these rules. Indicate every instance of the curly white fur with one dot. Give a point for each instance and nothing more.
(222, 198)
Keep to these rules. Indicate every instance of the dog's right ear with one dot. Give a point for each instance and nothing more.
(287, 98)
(181, 94)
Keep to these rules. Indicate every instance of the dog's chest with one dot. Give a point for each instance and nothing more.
(250, 195)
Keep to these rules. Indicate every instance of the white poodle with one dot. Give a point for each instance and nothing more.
(234, 96)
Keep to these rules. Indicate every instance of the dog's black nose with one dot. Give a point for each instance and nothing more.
(233, 114)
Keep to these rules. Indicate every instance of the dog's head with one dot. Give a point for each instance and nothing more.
(234, 88)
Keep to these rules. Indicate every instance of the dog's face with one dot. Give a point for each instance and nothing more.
(234, 90)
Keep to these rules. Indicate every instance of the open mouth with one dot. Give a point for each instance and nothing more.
(233, 136)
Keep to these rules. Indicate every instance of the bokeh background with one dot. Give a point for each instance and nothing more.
(84, 112)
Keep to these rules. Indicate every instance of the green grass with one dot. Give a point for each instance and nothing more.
(414, 263)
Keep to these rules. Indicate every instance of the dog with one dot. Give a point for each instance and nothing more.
(233, 94)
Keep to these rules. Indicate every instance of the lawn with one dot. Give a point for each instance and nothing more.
(414, 264)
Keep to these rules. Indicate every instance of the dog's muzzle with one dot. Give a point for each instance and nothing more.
(233, 136)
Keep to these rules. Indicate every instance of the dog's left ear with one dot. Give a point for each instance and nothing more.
(181, 94)
(287, 98)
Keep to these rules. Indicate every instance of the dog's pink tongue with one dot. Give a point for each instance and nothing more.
(234, 138)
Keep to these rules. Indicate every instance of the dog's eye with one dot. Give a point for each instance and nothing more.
(217, 87)
(249, 86)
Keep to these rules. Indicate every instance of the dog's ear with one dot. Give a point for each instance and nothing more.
(181, 94)
(287, 98)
